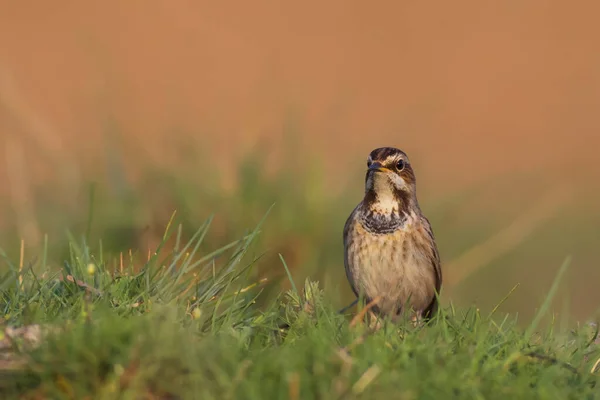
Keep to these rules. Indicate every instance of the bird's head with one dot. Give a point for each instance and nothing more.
(390, 182)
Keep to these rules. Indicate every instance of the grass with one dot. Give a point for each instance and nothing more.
(127, 310)
(190, 324)
(485, 253)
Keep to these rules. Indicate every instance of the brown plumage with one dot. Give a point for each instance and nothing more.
(389, 247)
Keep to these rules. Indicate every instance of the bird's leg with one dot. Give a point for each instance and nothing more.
(417, 318)
(375, 322)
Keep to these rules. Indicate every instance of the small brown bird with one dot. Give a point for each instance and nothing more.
(389, 247)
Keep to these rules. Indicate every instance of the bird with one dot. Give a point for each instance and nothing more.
(390, 253)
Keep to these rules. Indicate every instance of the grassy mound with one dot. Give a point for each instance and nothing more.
(185, 325)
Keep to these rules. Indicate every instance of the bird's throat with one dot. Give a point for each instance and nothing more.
(382, 214)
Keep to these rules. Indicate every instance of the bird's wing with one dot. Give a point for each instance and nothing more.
(435, 256)
(347, 227)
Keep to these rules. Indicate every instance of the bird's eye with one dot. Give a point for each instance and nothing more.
(400, 165)
(369, 162)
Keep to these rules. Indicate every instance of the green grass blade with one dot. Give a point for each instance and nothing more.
(289, 274)
(546, 304)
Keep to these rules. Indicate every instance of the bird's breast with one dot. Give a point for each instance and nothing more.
(394, 265)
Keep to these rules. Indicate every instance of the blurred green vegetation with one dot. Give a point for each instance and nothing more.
(125, 215)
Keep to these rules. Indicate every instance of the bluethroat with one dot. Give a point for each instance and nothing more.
(390, 252)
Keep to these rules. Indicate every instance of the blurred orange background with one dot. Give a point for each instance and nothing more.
(471, 90)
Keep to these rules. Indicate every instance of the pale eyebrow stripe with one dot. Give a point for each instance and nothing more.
(393, 157)
(397, 157)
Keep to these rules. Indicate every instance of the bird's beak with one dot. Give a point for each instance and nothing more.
(376, 166)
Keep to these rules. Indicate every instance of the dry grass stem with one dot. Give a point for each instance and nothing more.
(360, 316)
(32, 129)
(595, 367)
(366, 379)
(21, 262)
(294, 386)
(507, 239)
(20, 192)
